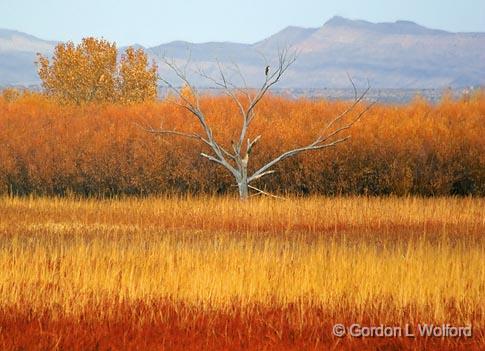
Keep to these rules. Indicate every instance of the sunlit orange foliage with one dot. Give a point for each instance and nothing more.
(99, 149)
(89, 72)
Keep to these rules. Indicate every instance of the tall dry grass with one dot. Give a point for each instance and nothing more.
(217, 273)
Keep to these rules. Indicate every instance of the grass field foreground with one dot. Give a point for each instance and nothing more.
(218, 273)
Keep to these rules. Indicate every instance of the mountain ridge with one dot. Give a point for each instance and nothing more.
(400, 54)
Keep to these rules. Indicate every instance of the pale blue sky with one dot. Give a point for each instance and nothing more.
(151, 22)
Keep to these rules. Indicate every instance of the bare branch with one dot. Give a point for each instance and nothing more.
(353, 85)
(196, 111)
(251, 144)
(265, 193)
(291, 153)
(347, 110)
(174, 132)
(238, 71)
(247, 114)
(319, 142)
(224, 85)
(350, 124)
(228, 154)
(212, 158)
(284, 62)
(262, 175)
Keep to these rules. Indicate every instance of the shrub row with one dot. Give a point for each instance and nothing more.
(101, 150)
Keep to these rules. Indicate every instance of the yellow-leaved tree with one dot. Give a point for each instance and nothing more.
(137, 80)
(90, 72)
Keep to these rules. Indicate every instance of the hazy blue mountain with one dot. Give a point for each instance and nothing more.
(400, 55)
(17, 56)
(290, 36)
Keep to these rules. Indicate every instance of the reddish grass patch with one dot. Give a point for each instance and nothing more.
(166, 326)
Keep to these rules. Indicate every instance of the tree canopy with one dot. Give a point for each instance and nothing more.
(91, 72)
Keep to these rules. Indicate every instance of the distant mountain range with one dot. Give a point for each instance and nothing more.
(401, 55)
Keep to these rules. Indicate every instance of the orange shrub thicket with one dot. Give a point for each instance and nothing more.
(99, 149)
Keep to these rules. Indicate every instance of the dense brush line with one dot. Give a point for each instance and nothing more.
(100, 149)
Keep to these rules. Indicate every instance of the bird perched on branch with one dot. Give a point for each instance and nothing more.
(266, 71)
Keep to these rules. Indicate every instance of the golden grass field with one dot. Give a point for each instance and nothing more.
(215, 273)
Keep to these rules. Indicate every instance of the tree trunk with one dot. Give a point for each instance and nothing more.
(243, 189)
(243, 181)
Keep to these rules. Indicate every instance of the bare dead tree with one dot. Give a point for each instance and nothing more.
(236, 160)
